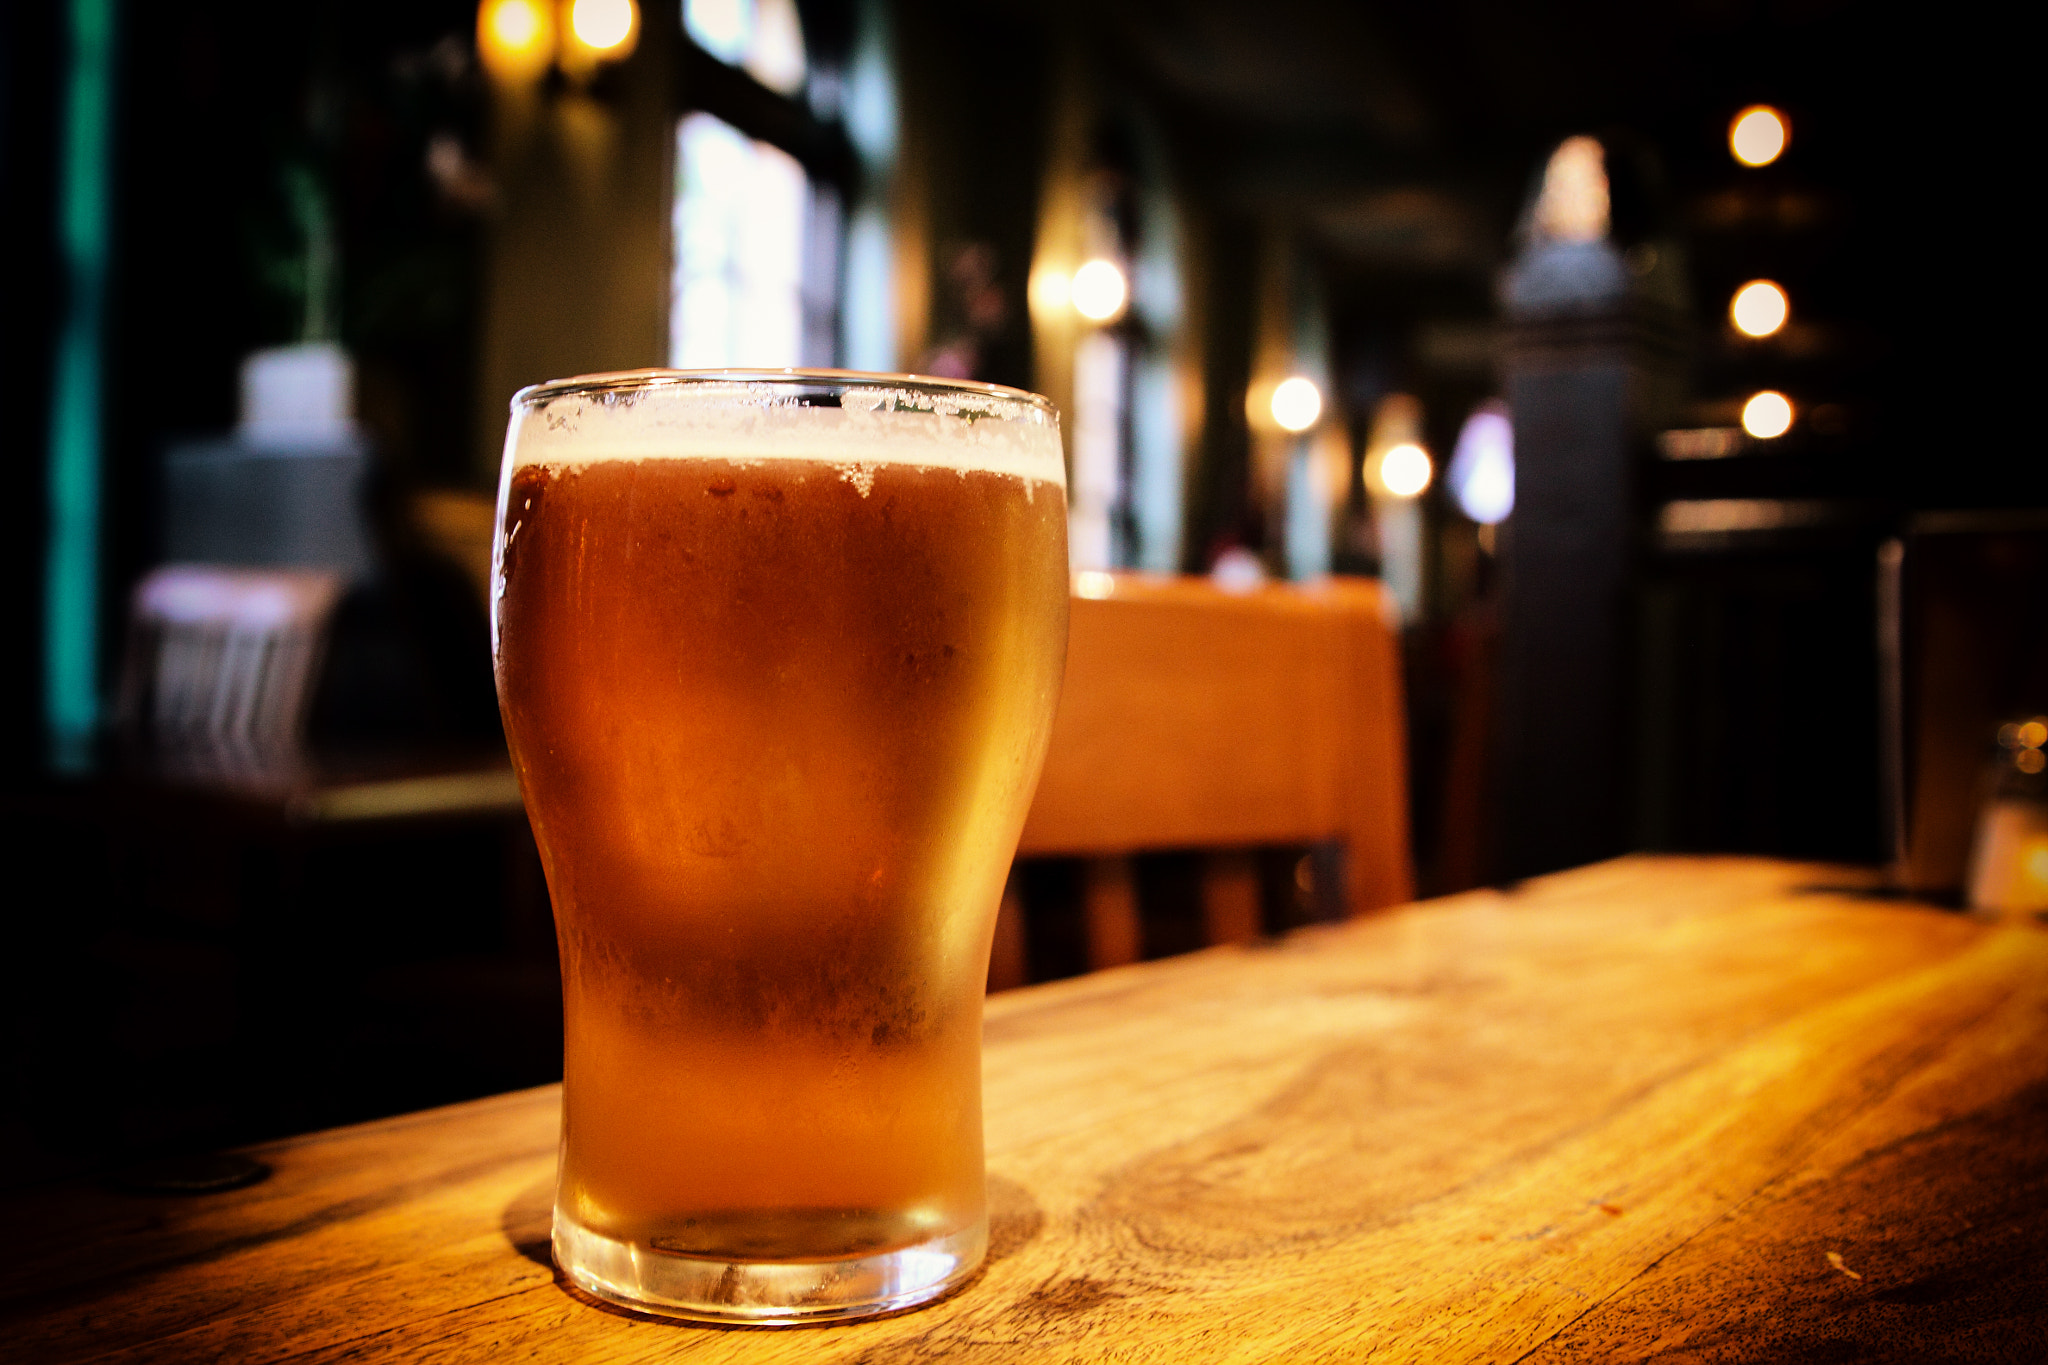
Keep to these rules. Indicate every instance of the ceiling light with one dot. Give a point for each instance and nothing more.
(1098, 291)
(603, 25)
(515, 38)
(1297, 403)
(1758, 135)
(1759, 308)
(1405, 470)
(1767, 415)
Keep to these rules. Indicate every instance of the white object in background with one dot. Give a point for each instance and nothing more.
(1482, 473)
(219, 672)
(286, 487)
(1238, 570)
(1566, 263)
(298, 397)
(1572, 206)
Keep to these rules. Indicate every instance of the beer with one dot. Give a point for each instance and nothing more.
(777, 682)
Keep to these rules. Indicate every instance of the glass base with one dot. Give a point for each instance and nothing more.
(700, 1288)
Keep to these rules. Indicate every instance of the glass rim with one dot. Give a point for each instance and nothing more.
(536, 396)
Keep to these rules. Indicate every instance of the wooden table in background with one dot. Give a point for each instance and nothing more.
(1654, 1109)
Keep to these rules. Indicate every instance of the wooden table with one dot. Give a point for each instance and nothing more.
(1654, 1109)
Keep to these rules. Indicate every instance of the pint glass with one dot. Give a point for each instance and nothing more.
(777, 654)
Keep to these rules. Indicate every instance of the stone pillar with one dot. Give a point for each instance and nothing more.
(1592, 344)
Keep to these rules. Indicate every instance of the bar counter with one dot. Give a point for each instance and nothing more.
(1658, 1108)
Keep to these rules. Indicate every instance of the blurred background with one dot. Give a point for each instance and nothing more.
(1667, 363)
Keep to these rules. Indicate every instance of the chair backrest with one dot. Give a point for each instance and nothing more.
(1193, 717)
(219, 669)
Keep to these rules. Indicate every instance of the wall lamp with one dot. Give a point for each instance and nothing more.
(519, 40)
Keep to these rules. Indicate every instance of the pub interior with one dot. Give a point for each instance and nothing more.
(1631, 368)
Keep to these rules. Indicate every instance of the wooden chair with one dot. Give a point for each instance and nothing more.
(1194, 718)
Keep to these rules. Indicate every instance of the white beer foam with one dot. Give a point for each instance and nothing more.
(749, 422)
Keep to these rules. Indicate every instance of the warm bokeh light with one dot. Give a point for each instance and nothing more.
(1098, 291)
(1767, 415)
(515, 23)
(1759, 308)
(1573, 204)
(2034, 866)
(1297, 403)
(604, 25)
(1405, 470)
(1758, 135)
(515, 38)
(2030, 761)
(1094, 584)
(1051, 291)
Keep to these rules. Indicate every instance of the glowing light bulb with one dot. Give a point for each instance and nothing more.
(1297, 403)
(515, 38)
(602, 25)
(1098, 291)
(1405, 469)
(1759, 308)
(1767, 415)
(1758, 135)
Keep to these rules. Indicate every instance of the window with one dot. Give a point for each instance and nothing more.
(756, 249)
(764, 38)
(757, 239)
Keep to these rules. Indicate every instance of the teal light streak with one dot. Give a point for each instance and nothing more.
(71, 579)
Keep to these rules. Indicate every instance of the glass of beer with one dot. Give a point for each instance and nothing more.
(777, 654)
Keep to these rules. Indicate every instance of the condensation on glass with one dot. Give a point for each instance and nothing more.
(777, 654)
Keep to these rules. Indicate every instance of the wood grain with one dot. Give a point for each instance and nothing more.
(1657, 1109)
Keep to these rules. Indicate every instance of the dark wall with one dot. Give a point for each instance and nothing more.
(240, 122)
(1220, 510)
(29, 71)
(976, 80)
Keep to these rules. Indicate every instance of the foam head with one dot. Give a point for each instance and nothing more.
(844, 420)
